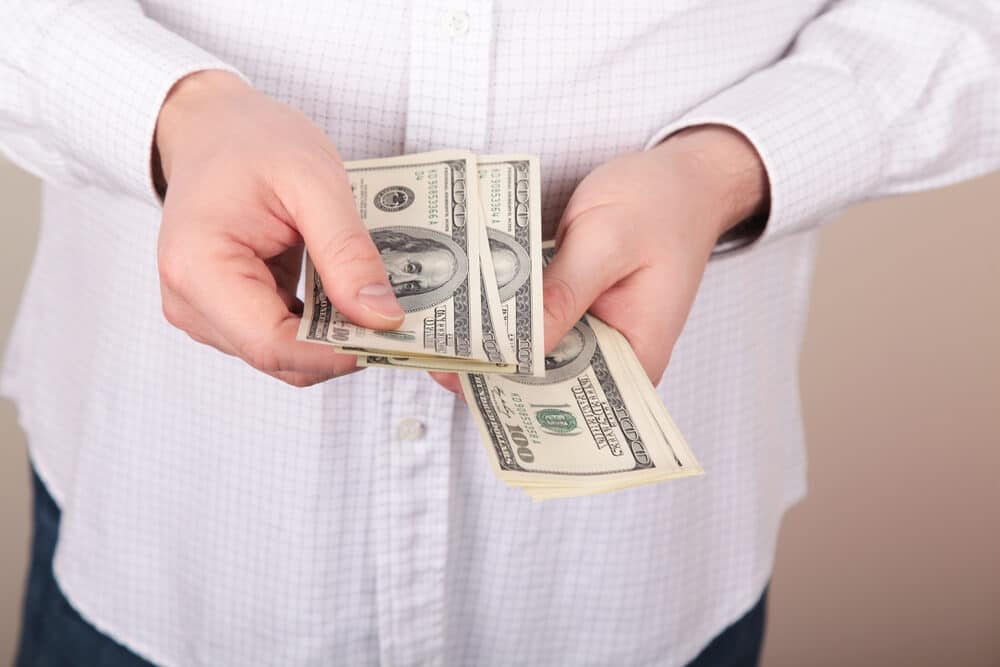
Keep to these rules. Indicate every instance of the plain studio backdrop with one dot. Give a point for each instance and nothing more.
(894, 557)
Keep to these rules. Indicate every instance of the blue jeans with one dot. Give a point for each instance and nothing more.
(54, 635)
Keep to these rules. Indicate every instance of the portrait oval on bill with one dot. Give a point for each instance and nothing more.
(569, 358)
(510, 263)
(425, 267)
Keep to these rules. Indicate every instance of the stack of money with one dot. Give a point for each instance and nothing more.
(460, 237)
(593, 424)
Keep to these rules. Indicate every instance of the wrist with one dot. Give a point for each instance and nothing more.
(186, 99)
(725, 166)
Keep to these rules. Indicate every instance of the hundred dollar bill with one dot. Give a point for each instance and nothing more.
(593, 424)
(511, 211)
(416, 208)
(584, 428)
(497, 348)
(510, 194)
(496, 344)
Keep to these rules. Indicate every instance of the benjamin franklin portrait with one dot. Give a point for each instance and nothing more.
(510, 263)
(425, 267)
(568, 349)
(568, 359)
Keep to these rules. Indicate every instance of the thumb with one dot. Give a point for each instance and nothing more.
(585, 266)
(322, 205)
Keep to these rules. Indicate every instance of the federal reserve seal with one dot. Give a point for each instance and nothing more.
(556, 422)
(394, 198)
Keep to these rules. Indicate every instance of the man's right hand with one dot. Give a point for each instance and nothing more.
(251, 182)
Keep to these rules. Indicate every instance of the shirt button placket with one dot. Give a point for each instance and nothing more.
(456, 22)
(414, 537)
(410, 429)
(450, 51)
(451, 48)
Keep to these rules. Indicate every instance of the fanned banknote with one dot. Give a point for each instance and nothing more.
(417, 210)
(511, 241)
(496, 343)
(594, 423)
(510, 197)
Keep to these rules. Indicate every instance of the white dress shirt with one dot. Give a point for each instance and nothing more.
(214, 516)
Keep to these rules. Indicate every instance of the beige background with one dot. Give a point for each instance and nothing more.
(894, 559)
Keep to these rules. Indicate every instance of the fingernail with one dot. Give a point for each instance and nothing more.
(380, 299)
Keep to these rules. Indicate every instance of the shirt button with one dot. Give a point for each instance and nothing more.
(456, 22)
(410, 429)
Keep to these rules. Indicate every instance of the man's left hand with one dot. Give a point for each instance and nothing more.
(636, 236)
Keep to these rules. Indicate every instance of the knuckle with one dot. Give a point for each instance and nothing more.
(322, 158)
(172, 270)
(260, 355)
(304, 164)
(299, 380)
(198, 338)
(173, 313)
(308, 166)
(559, 301)
(349, 247)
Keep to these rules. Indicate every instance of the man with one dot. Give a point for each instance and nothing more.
(211, 515)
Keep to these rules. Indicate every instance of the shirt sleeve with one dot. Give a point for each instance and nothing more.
(81, 85)
(872, 99)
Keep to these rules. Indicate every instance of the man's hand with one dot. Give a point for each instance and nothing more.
(636, 236)
(249, 181)
(637, 233)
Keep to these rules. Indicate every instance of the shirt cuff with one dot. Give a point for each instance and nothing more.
(818, 140)
(108, 73)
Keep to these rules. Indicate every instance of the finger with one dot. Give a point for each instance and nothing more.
(588, 262)
(449, 381)
(652, 329)
(651, 342)
(238, 296)
(194, 325)
(318, 197)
